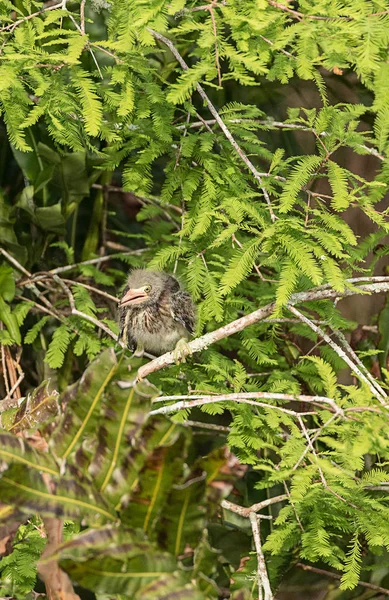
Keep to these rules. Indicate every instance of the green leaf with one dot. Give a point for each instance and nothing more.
(112, 562)
(33, 333)
(90, 102)
(61, 339)
(83, 402)
(7, 283)
(338, 181)
(10, 321)
(16, 450)
(183, 518)
(25, 488)
(352, 571)
(123, 416)
(162, 468)
(300, 176)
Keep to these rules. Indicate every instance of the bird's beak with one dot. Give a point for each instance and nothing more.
(133, 297)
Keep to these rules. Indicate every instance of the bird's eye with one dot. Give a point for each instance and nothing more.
(147, 288)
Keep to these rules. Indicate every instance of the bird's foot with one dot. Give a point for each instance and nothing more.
(139, 352)
(181, 351)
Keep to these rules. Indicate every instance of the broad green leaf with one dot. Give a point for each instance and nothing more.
(10, 321)
(15, 449)
(110, 561)
(158, 432)
(162, 469)
(83, 402)
(23, 486)
(7, 283)
(123, 415)
(183, 518)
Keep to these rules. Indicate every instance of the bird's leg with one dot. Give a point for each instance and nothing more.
(181, 351)
(139, 350)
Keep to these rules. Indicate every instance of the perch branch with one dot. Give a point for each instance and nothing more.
(206, 340)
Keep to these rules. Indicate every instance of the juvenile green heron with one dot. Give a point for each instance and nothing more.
(156, 315)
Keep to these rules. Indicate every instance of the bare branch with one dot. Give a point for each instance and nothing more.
(360, 364)
(82, 17)
(244, 511)
(364, 584)
(95, 261)
(253, 395)
(270, 124)
(381, 397)
(263, 579)
(8, 401)
(13, 25)
(242, 398)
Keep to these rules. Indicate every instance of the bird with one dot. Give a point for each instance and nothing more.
(156, 315)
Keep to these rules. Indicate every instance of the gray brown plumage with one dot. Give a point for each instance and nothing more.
(155, 313)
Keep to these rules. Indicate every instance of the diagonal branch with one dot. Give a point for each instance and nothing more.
(13, 25)
(338, 577)
(206, 340)
(381, 396)
(219, 120)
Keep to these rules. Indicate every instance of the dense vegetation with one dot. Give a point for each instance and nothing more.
(242, 146)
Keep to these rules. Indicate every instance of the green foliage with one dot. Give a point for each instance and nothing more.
(18, 570)
(111, 159)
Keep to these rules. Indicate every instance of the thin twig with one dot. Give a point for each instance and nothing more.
(98, 324)
(9, 401)
(95, 261)
(358, 362)
(364, 584)
(78, 313)
(219, 120)
(293, 506)
(381, 397)
(314, 438)
(14, 262)
(5, 374)
(219, 76)
(300, 16)
(270, 124)
(322, 477)
(211, 426)
(13, 25)
(93, 289)
(39, 277)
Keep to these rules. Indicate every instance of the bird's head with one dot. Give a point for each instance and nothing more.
(145, 287)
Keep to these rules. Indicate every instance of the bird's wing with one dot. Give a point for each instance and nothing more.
(183, 310)
(125, 330)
